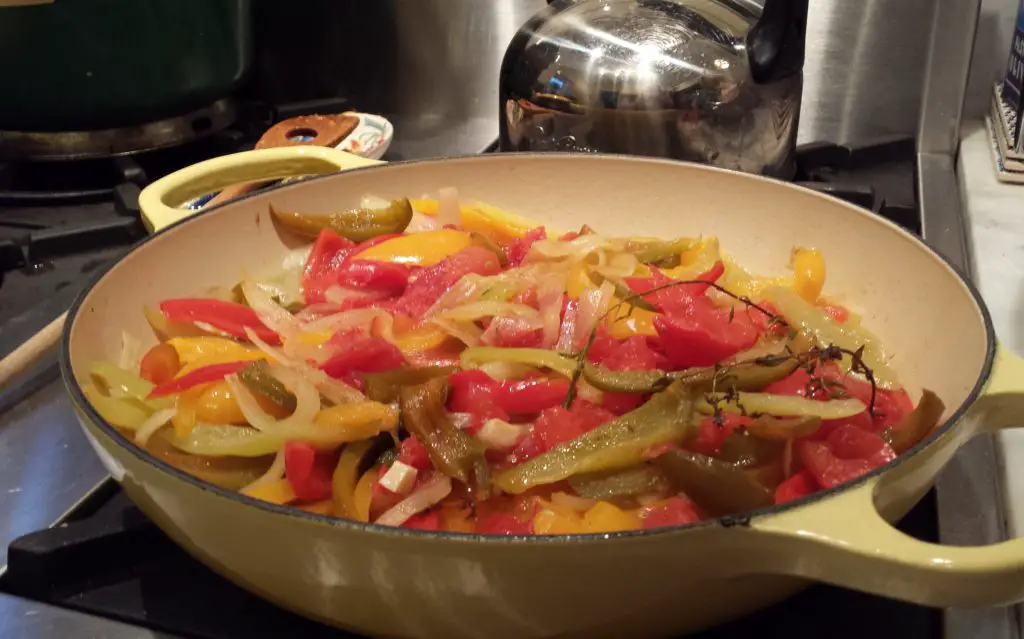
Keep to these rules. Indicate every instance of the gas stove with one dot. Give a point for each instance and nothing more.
(83, 561)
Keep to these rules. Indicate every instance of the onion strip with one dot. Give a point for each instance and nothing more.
(430, 493)
(155, 422)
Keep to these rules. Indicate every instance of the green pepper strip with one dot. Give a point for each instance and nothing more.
(357, 225)
(745, 450)
(451, 450)
(536, 357)
(620, 443)
(916, 425)
(740, 376)
(662, 253)
(258, 378)
(385, 387)
(118, 383)
(615, 484)
(718, 487)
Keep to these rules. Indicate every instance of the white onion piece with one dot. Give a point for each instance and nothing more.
(567, 333)
(572, 502)
(467, 289)
(466, 332)
(155, 422)
(422, 498)
(274, 473)
(316, 311)
(549, 299)
(356, 318)
(499, 325)
(578, 248)
(617, 265)
(269, 312)
(336, 294)
(593, 304)
(212, 330)
(421, 223)
(479, 310)
(448, 211)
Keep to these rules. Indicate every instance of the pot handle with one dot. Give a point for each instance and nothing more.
(845, 540)
(159, 201)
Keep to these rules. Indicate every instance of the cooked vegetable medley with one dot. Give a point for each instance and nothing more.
(439, 366)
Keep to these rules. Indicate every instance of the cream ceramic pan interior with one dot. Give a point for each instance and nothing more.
(467, 586)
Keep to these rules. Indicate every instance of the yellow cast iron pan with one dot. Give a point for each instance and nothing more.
(400, 583)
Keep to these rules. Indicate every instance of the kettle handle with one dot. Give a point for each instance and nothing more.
(775, 44)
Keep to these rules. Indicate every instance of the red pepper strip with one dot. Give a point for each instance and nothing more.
(676, 512)
(308, 470)
(797, 486)
(384, 277)
(323, 265)
(213, 373)
(433, 281)
(361, 355)
(230, 317)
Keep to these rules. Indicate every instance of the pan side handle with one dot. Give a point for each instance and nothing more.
(159, 200)
(847, 540)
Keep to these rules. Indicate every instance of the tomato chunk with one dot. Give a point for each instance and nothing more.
(160, 364)
(677, 511)
(517, 251)
(846, 454)
(430, 283)
(324, 264)
(797, 486)
(361, 355)
(308, 470)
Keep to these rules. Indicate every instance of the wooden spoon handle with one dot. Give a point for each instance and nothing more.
(23, 357)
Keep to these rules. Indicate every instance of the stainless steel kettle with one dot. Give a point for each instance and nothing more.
(711, 81)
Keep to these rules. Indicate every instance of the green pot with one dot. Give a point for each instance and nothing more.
(90, 64)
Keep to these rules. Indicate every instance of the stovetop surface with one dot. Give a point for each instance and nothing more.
(107, 560)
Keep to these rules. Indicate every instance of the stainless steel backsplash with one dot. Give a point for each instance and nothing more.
(429, 62)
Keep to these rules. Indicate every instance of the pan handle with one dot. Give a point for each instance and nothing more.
(159, 200)
(845, 539)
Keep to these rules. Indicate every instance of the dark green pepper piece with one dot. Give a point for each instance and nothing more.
(617, 483)
(385, 387)
(357, 225)
(917, 424)
(718, 487)
(485, 242)
(661, 253)
(257, 378)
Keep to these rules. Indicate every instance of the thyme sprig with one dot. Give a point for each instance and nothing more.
(811, 360)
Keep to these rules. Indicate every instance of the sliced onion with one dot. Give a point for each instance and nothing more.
(500, 325)
(336, 294)
(549, 299)
(421, 223)
(578, 248)
(593, 304)
(567, 334)
(466, 332)
(431, 492)
(448, 211)
(316, 311)
(467, 289)
(617, 265)
(479, 310)
(269, 311)
(572, 502)
(347, 320)
(155, 422)
(274, 473)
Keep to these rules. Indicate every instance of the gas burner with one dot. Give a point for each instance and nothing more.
(102, 143)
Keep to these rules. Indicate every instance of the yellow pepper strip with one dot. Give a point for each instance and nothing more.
(198, 352)
(456, 518)
(809, 273)
(363, 492)
(346, 477)
(497, 225)
(605, 517)
(555, 519)
(354, 422)
(325, 507)
(216, 405)
(420, 249)
(422, 338)
(185, 419)
(276, 492)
